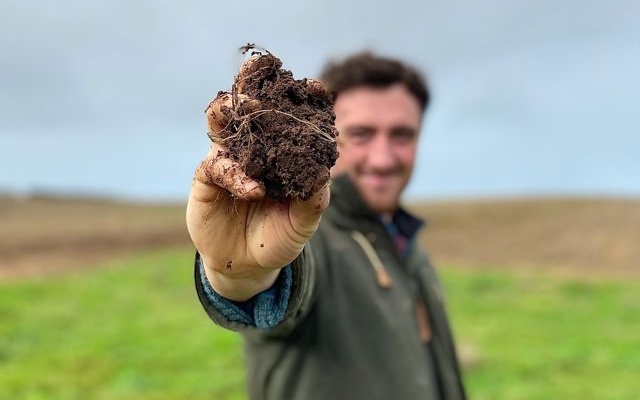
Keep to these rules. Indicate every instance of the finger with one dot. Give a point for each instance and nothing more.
(217, 170)
(220, 111)
(317, 89)
(254, 69)
(305, 214)
(216, 118)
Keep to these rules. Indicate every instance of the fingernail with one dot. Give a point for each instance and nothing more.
(253, 189)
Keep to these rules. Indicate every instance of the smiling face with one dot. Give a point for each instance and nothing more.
(378, 139)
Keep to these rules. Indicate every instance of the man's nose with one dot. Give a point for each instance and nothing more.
(380, 154)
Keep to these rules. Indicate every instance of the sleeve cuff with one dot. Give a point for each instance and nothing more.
(263, 311)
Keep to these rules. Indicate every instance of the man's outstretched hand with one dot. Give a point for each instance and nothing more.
(243, 236)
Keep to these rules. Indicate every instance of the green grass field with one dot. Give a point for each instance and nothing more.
(134, 330)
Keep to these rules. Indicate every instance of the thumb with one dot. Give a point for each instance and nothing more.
(305, 214)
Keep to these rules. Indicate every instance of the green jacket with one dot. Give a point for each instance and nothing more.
(347, 334)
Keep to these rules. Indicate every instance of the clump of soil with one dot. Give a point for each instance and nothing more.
(286, 141)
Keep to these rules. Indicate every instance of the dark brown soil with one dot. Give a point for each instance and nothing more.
(289, 141)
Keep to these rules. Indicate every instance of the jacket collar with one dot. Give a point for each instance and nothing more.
(348, 209)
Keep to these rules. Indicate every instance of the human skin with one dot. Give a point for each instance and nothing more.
(379, 130)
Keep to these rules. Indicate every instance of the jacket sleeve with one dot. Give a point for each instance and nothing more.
(264, 310)
(275, 312)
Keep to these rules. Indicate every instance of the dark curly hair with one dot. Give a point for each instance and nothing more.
(367, 69)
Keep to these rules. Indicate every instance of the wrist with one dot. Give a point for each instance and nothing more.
(241, 286)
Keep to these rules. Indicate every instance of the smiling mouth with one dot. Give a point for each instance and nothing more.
(379, 179)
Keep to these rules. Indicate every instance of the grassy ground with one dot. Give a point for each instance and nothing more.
(134, 330)
(540, 336)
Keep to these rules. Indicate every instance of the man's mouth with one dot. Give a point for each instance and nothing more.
(376, 179)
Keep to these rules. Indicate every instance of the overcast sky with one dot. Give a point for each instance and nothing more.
(530, 97)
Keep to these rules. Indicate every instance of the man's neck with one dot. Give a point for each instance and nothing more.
(386, 217)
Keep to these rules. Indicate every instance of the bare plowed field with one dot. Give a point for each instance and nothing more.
(584, 236)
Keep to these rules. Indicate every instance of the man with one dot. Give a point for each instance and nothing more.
(343, 308)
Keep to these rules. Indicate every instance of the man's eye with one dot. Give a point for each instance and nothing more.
(403, 136)
(359, 136)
